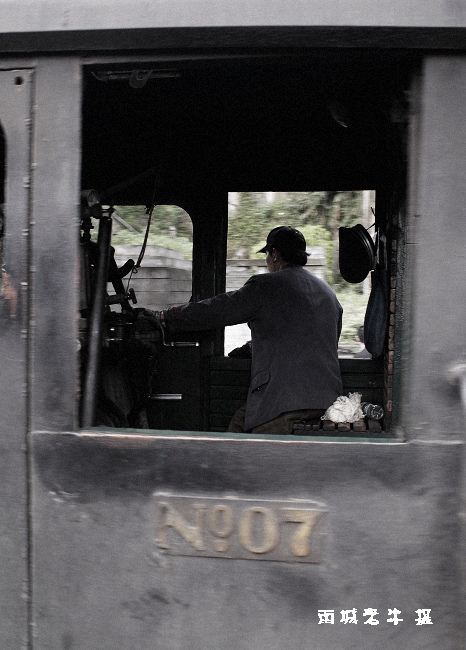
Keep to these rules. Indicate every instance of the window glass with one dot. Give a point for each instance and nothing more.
(165, 276)
(126, 358)
(318, 215)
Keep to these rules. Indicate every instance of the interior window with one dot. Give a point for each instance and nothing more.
(318, 215)
(150, 267)
(164, 278)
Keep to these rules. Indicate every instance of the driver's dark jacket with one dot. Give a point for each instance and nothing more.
(295, 320)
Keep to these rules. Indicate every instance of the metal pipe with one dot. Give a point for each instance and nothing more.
(96, 320)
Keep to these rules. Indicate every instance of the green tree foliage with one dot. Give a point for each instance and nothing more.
(247, 223)
(328, 209)
(317, 214)
(354, 304)
(171, 227)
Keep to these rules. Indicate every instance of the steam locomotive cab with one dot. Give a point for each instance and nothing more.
(350, 133)
(129, 517)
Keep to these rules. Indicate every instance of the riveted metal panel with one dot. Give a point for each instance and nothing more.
(102, 575)
(55, 212)
(104, 578)
(15, 120)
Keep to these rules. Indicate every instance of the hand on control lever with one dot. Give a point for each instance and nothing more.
(149, 314)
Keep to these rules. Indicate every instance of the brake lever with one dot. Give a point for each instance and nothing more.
(175, 344)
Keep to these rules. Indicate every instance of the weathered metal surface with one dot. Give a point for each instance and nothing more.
(54, 248)
(15, 116)
(391, 541)
(58, 26)
(435, 336)
(60, 16)
(392, 531)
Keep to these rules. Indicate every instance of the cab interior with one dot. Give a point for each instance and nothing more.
(186, 129)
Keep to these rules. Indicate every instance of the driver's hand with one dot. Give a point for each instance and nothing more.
(150, 315)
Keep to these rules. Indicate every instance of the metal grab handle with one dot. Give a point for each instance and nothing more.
(169, 397)
(96, 322)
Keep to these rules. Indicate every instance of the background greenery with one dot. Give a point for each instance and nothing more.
(318, 215)
(171, 227)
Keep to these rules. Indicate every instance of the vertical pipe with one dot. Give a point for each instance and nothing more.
(95, 328)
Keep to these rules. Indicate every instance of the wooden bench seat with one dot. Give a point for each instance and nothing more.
(229, 382)
(365, 428)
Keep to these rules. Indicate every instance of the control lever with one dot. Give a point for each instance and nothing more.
(151, 316)
(174, 344)
(120, 298)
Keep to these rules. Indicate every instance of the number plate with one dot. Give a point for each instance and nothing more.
(248, 529)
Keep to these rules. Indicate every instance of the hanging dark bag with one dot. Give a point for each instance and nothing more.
(377, 313)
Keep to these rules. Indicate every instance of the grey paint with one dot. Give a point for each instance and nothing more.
(391, 540)
(55, 214)
(436, 336)
(393, 534)
(61, 15)
(15, 99)
(60, 26)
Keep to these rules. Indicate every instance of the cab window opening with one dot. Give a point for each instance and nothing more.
(165, 276)
(144, 383)
(318, 215)
(196, 160)
(148, 268)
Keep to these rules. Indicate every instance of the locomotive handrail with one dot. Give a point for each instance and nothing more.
(96, 320)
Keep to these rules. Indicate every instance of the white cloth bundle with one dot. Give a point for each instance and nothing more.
(345, 409)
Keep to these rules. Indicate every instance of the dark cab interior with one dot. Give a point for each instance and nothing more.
(185, 130)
